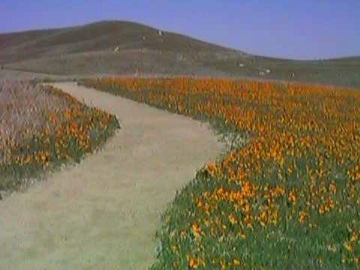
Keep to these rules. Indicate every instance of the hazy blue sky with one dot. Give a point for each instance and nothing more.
(283, 28)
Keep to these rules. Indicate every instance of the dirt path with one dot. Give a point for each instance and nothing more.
(102, 213)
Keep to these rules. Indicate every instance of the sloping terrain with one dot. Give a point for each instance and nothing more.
(101, 36)
(120, 47)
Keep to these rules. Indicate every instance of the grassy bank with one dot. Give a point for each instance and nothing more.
(41, 128)
(288, 199)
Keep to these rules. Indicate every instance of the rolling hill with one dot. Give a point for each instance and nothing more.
(120, 47)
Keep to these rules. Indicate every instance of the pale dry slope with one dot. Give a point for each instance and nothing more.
(103, 213)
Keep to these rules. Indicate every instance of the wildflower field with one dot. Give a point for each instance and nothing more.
(41, 128)
(288, 199)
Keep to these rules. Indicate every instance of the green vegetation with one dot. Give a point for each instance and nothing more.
(289, 199)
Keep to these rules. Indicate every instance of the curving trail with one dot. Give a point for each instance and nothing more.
(103, 213)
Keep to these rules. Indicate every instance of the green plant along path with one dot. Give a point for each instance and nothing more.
(66, 136)
(288, 199)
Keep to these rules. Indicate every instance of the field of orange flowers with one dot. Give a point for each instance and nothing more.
(42, 127)
(288, 199)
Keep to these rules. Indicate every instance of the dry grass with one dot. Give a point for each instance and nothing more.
(89, 50)
(41, 128)
(24, 109)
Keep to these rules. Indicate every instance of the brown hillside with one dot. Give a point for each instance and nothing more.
(89, 49)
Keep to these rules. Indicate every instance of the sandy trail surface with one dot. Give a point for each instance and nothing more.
(103, 213)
